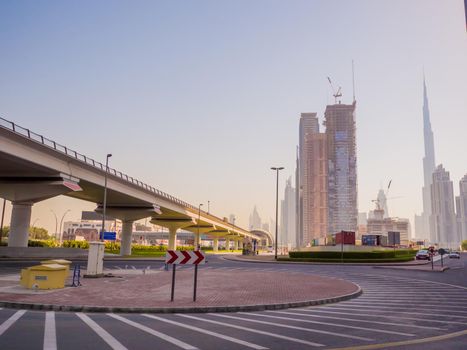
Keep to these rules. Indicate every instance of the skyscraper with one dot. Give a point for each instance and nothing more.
(383, 202)
(312, 181)
(428, 168)
(462, 208)
(342, 167)
(443, 218)
(287, 222)
(308, 125)
(255, 220)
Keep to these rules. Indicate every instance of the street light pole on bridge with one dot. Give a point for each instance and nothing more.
(105, 196)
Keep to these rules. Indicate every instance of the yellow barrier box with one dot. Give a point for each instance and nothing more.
(48, 276)
(63, 262)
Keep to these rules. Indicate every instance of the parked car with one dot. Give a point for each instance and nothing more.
(454, 255)
(422, 255)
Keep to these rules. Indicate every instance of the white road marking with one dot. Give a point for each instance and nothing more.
(155, 333)
(134, 268)
(13, 318)
(392, 309)
(299, 328)
(414, 290)
(50, 336)
(432, 299)
(382, 316)
(388, 302)
(306, 329)
(101, 332)
(214, 334)
(403, 325)
(257, 331)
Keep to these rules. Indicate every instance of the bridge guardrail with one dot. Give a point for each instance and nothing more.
(19, 130)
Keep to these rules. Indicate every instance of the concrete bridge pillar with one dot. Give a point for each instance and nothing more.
(127, 230)
(172, 238)
(215, 244)
(19, 226)
(227, 243)
(197, 240)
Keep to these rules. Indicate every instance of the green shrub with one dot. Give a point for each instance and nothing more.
(363, 261)
(49, 243)
(383, 254)
(75, 244)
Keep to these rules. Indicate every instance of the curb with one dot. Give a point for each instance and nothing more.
(166, 310)
(316, 263)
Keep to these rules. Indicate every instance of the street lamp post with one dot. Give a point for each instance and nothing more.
(56, 223)
(276, 169)
(61, 222)
(33, 231)
(3, 216)
(199, 218)
(105, 196)
(197, 248)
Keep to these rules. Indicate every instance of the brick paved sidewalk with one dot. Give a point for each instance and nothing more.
(216, 288)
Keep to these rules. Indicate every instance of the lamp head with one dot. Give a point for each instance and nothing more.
(109, 155)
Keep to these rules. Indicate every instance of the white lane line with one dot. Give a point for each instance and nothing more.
(117, 268)
(257, 331)
(381, 316)
(13, 318)
(414, 290)
(134, 268)
(295, 327)
(436, 299)
(392, 309)
(214, 334)
(287, 326)
(388, 302)
(50, 336)
(308, 321)
(370, 298)
(155, 333)
(403, 325)
(101, 332)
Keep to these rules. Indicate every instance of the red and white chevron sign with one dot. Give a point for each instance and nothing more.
(185, 257)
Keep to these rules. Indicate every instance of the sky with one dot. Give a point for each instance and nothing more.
(200, 98)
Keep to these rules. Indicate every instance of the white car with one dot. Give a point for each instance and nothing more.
(454, 255)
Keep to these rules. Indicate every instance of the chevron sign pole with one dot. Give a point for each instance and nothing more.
(184, 257)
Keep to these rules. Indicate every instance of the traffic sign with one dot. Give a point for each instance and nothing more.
(442, 251)
(108, 236)
(185, 257)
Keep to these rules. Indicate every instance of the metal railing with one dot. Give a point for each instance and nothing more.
(19, 130)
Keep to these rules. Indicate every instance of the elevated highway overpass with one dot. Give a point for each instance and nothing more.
(34, 168)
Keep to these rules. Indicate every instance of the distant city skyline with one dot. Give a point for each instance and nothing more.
(200, 100)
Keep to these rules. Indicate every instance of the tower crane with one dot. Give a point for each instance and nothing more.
(337, 93)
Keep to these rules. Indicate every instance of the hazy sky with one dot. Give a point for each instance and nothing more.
(201, 98)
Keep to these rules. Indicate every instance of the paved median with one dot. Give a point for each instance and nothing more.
(219, 290)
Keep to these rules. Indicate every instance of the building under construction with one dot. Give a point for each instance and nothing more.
(339, 120)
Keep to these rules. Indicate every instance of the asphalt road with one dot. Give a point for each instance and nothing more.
(416, 309)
